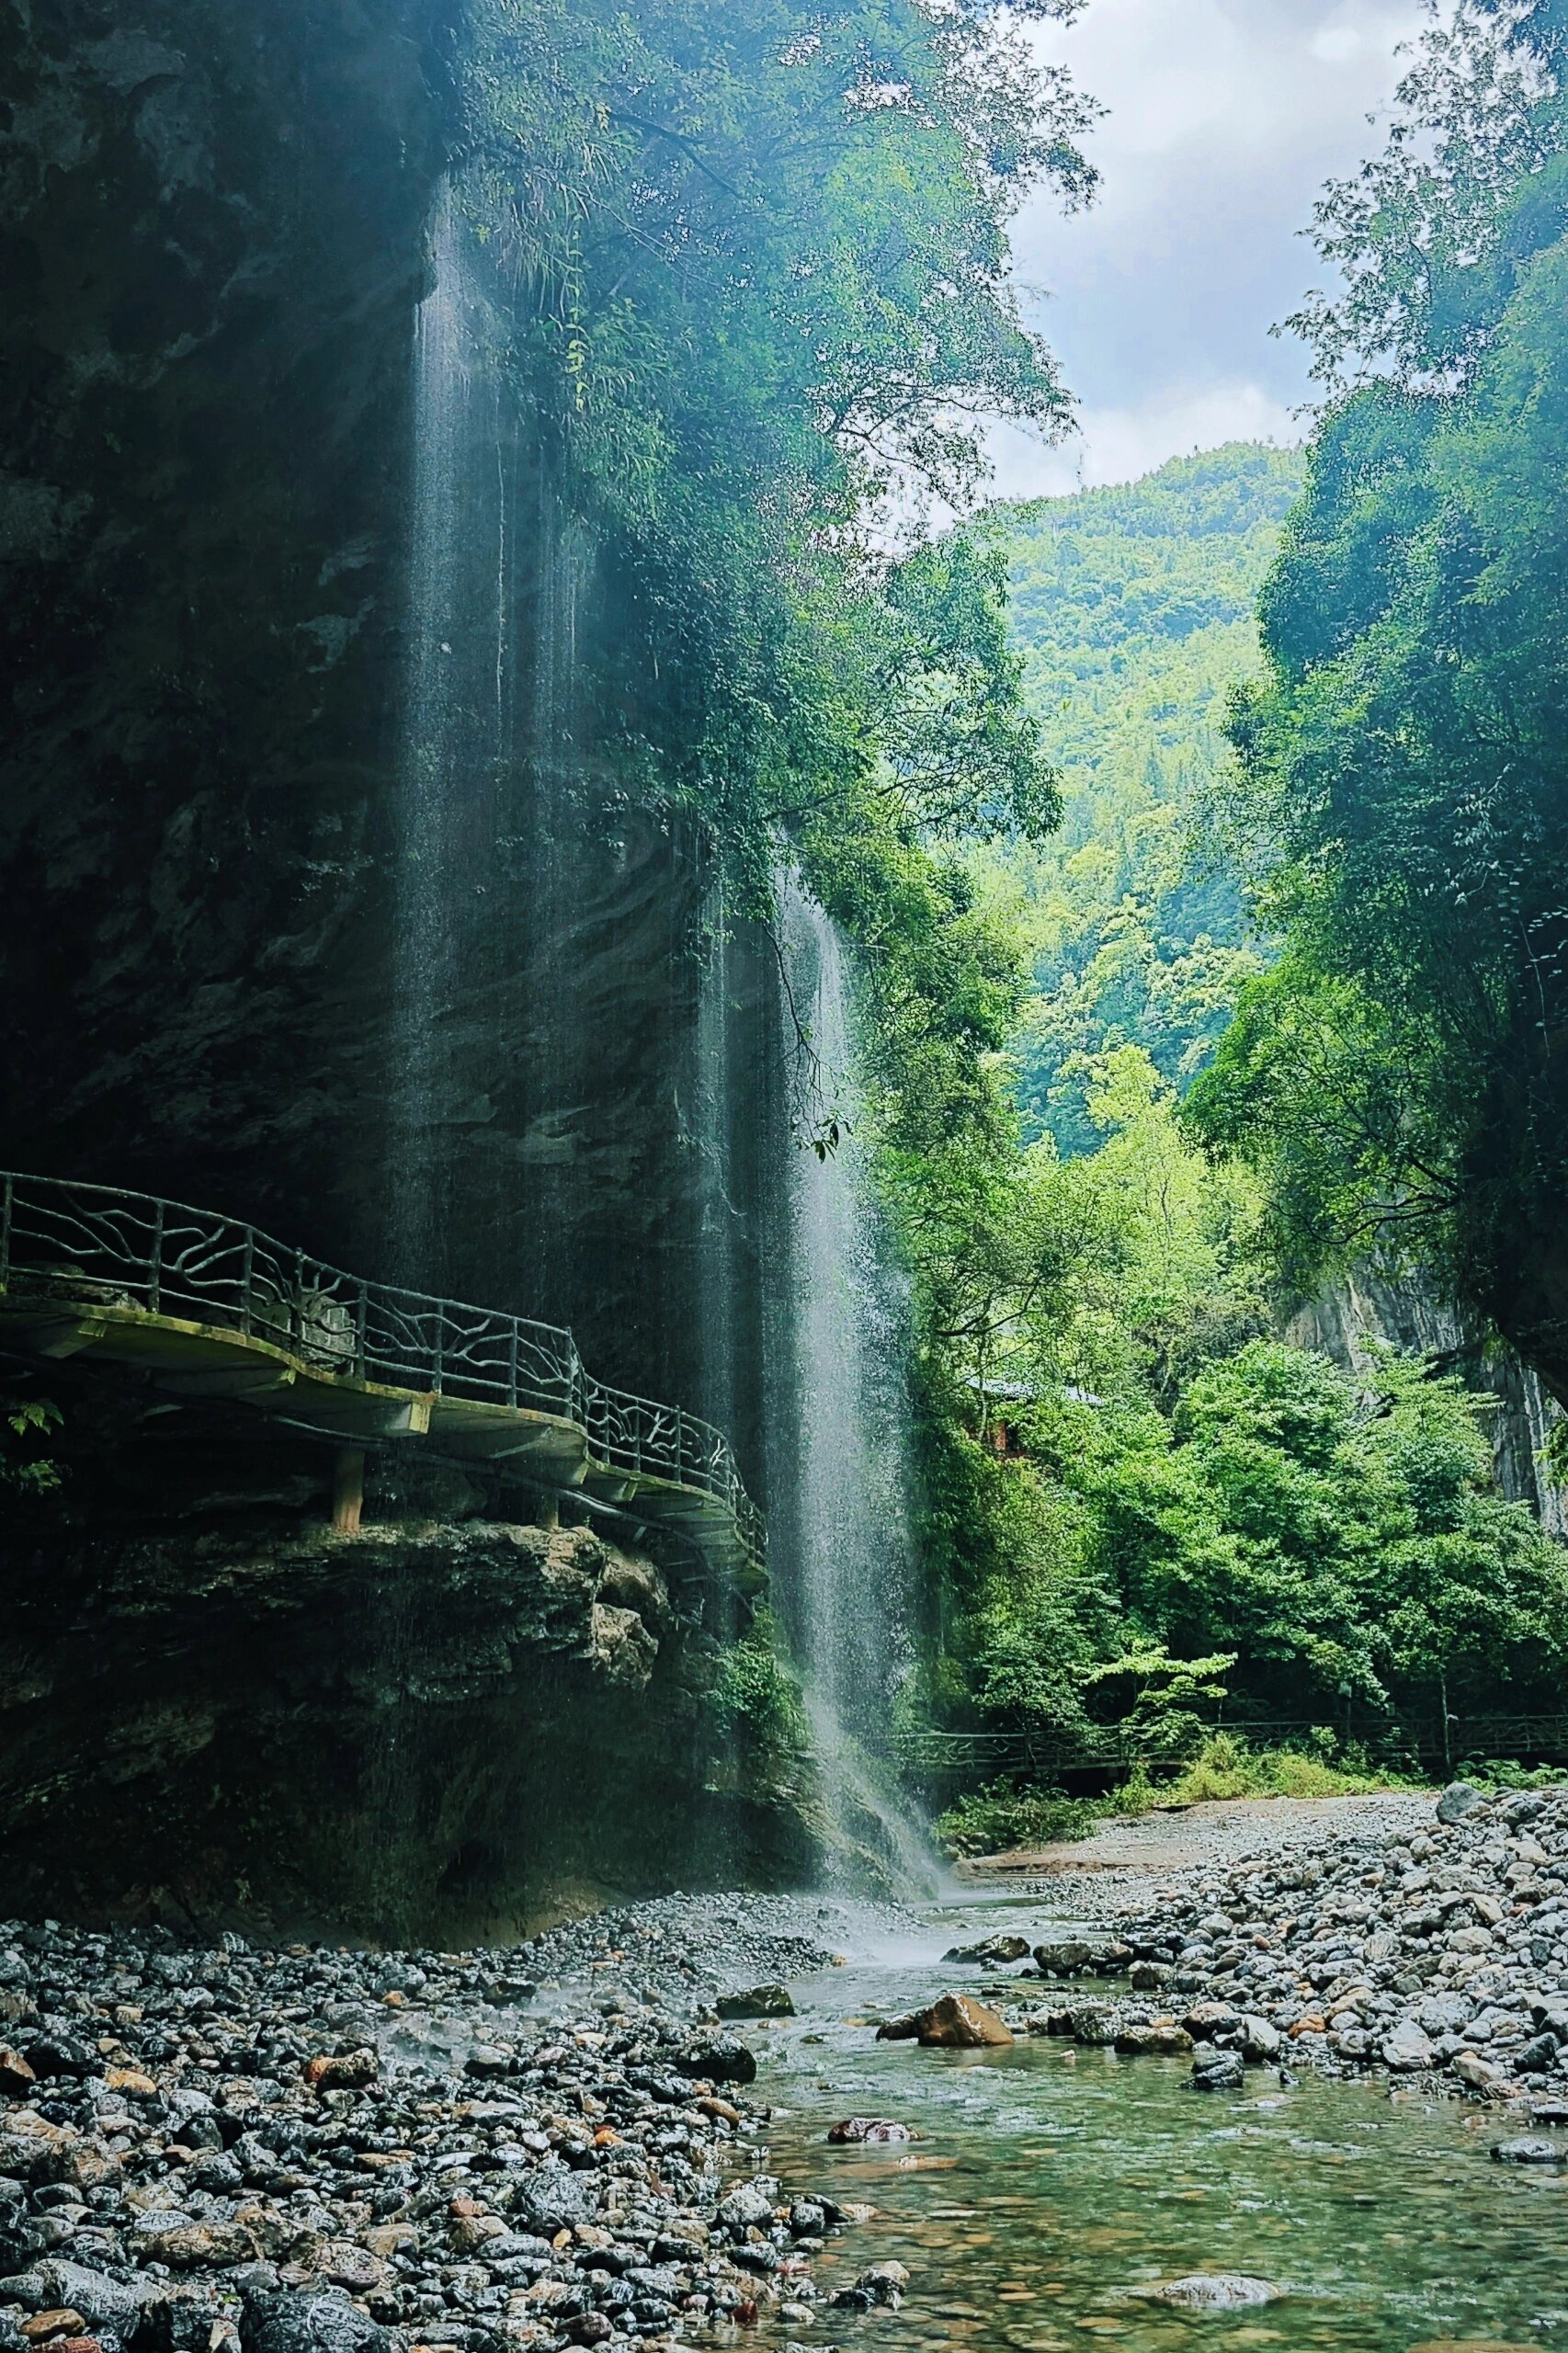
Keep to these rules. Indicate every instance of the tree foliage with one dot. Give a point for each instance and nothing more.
(754, 271)
(1133, 610)
(1402, 1075)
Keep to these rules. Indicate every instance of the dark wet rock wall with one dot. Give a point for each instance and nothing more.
(216, 229)
(452, 1724)
(216, 233)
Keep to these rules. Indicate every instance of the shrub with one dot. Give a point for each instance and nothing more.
(989, 1821)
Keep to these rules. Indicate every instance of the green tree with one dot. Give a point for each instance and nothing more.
(1132, 611)
(1404, 798)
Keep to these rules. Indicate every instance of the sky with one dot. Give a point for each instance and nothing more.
(1225, 118)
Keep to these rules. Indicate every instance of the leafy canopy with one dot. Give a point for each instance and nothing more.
(755, 266)
(1132, 611)
(1403, 800)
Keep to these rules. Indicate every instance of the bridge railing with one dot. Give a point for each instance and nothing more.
(95, 1243)
(967, 1754)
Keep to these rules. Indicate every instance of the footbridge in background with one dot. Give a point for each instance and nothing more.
(1111, 1750)
(206, 1308)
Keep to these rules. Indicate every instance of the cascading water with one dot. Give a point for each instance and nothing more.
(840, 1481)
(455, 703)
(487, 1038)
(583, 1115)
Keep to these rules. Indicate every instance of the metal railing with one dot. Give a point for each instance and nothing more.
(1041, 1752)
(101, 1245)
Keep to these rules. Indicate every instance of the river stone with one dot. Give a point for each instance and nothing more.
(873, 2129)
(1477, 2073)
(1068, 1959)
(1457, 1800)
(1261, 2038)
(1204, 2020)
(31, 2147)
(761, 2002)
(115, 2305)
(1445, 2012)
(1406, 2047)
(16, 2078)
(751, 2205)
(1163, 2039)
(991, 1948)
(958, 2022)
(1527, 2150)
(885, 2283)
(722, 2060)
(557, 2200)
(308, 2323)
(1218, 2291)
(1097, 2025)
(1218, 2071)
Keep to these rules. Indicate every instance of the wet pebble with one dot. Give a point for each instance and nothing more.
(216, 2146)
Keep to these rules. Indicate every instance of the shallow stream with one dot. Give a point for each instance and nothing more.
(1051, 2188)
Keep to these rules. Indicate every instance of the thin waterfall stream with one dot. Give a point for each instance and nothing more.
(843, 1429)
(489, 792)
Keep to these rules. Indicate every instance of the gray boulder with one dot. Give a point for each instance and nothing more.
(1527, 2150)
(751, 2205)
(556, 2200)
(1406, 2047)
(1218, 2071)
(1219, 2291)
(302, 2322)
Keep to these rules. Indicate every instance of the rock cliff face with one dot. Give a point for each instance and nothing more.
(1371, 1306)
(218, 225)
(216, 232)
(449, 1725)
(211, 236)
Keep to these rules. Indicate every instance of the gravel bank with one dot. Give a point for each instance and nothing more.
(323, 2152)
(1430, 1942)
(1125, 1863)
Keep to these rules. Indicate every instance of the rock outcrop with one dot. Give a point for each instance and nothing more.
(217, 230)
(214, 1710)
(1407, 1312)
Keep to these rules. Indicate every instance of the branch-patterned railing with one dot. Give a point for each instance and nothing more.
(967, 1754)
(97, 1244)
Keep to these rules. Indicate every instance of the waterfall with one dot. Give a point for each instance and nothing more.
(453, 724)
(840, 1476)
(486, 1047)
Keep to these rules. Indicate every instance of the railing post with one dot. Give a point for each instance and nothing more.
(156, 1274)
(297, 1305)
(247, 1281)
(514, 1385)
(5, 1234)
(362, 1334)
(440, 1353)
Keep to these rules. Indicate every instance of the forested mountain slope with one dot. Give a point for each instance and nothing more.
(1132, 607)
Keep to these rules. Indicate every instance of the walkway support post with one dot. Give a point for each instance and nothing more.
(348, 1490)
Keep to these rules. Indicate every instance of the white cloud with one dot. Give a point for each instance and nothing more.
(1120, 444)
(1226, 116)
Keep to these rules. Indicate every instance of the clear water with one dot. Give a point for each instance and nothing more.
(1052, 2185)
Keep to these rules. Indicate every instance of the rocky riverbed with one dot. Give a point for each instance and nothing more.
(1429, 1942)
(317, 2151)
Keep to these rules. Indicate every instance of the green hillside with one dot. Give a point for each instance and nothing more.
(1133, 607)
